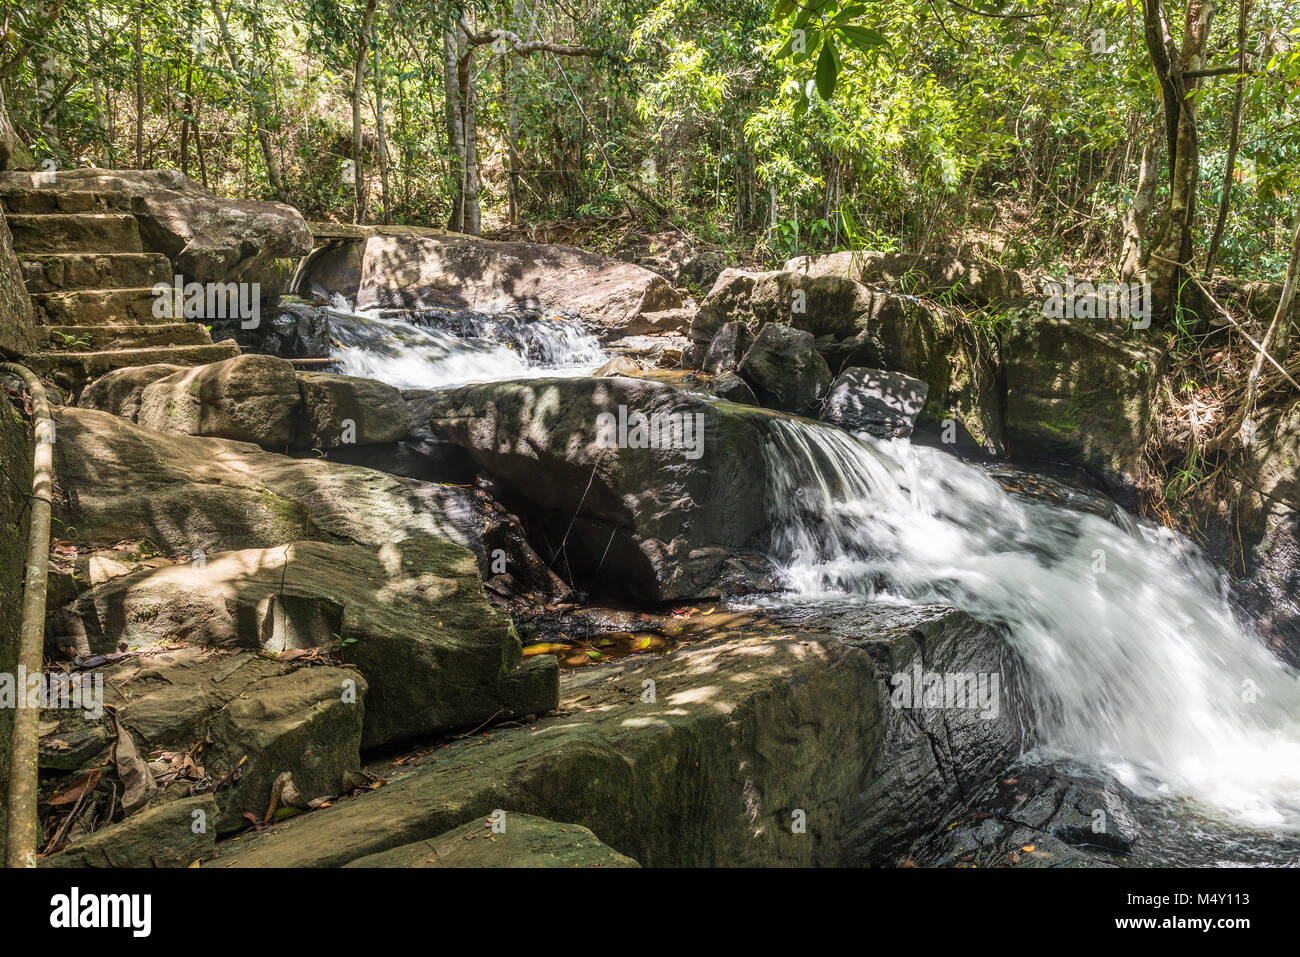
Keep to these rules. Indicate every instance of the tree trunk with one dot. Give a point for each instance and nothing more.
(381, 139)
(1233, 139)
(273, 174)
(1170, 253)
(1144, 197)
(139, 90)
(358, 75)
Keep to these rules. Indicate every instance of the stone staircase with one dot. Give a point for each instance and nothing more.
(91, 282)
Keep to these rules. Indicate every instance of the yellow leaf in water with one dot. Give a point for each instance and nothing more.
(544, 648)
(1028, 848)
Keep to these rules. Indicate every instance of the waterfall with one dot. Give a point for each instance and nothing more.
(442, 350)
(1136, 659)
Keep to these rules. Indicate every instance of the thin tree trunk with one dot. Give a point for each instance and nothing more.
(139, 90)
(1144, 197)
(358, 76)
(273, 174)
(380, 135)
(1233, 140)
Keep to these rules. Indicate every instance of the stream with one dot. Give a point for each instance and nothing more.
(1138, 664)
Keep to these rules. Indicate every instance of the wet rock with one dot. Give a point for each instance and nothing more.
(1256, 532)
(347, 410)
(247, 398)
(785, 371)
(509, 840)
(882, 403)
(290, 328)
(119, 391)
(1037, 816)
(740, 740)
(157, 837)
(733, 388)
(639, 511)
(727, 348)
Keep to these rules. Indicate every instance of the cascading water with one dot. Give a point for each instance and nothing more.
(1137, 661)
(409, 351)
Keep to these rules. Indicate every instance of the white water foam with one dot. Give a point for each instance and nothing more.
(410, 356)
(1142, 667)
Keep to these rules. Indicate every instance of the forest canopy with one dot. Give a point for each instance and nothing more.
(1022, 130)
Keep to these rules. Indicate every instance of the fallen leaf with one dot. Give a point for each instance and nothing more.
(75, 791)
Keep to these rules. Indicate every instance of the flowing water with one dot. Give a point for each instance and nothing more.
(437, 349)
(1137, 660)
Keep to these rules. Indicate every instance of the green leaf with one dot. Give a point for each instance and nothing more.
(783, 9)
(864, 38)
(828, 70)
(813, 37)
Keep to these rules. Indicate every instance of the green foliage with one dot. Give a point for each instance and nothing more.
(780, 125)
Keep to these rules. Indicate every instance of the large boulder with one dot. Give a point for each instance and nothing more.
(411, 617)
(119, 391)
(290, 328)
(728, 301)
(854, 325)
(246, 398)
(17, 318)
(208, 238)
(750, 751)
(242, 720)
(406, 267)
(1082, 392)
(163, 836)
(347, 410)
(640, 488)
(882, 403)
(968, 279)
(728, 347)
(181, 493)
(785, 370)
(733, 388)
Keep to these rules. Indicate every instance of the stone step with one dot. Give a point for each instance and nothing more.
(20, 200)
(66, 272)
(98, 307)
(73, 369)
(75, 232)
(98, 338)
